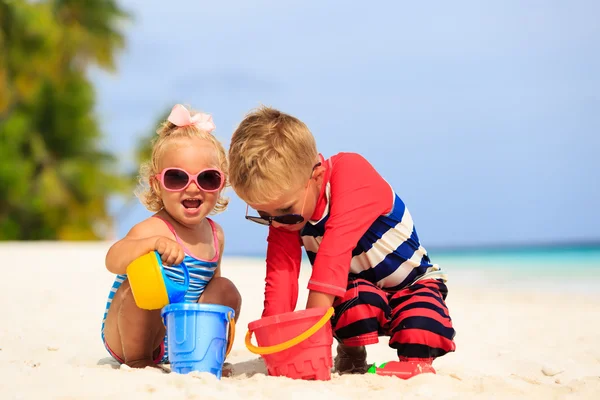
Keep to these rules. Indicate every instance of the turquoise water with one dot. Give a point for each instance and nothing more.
(564, 268)
(559, 260)
(559, 257)
(572, 269)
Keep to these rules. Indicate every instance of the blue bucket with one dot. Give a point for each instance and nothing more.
(199, 336)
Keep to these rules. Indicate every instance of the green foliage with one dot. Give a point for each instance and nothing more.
(54, 178)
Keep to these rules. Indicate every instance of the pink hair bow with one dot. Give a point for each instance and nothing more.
(181, 116)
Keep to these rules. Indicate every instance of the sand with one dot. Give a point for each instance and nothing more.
(513, 341)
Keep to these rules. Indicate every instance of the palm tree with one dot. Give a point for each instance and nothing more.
(90, 31)
(57, 177)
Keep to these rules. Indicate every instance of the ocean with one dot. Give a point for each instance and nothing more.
(564, 268)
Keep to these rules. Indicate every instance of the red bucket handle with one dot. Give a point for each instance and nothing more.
(292, 342)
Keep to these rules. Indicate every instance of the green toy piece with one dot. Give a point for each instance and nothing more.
(401, 369)
(373, 368)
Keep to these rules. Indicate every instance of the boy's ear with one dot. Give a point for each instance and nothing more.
(319, 173)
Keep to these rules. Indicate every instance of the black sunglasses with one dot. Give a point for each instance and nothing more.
(286, 219)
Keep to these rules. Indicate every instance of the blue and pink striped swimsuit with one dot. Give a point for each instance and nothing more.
(201, 272)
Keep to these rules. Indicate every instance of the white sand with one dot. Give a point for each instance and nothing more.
(509, 340)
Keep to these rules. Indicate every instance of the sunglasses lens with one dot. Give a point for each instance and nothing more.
(175, 179)
(258, 220)
(289, 219)
(210, 180)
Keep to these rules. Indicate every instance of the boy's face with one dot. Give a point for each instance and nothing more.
(300, 200)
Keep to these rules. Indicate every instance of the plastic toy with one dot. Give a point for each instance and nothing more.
(401, 369)
(199, 336)
(150, 286)
(295, 344)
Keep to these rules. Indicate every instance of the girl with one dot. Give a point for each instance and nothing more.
(182, 183)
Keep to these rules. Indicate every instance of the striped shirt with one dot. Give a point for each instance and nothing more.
(360, 228)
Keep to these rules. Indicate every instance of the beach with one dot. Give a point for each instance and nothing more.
(521, 340)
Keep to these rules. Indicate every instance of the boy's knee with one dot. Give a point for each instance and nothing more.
(362, 291)
(362, 301)
(361, 318)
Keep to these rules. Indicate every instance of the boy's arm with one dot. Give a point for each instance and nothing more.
(319, 299)
(359, 195)
(284, 254)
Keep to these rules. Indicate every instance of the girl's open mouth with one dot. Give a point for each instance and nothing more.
(191, 203)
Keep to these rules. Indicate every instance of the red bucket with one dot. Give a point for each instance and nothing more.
(295, 344)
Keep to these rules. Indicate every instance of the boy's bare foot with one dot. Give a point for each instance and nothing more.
(351, 360)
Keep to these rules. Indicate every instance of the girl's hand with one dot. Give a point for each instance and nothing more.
(170, 251)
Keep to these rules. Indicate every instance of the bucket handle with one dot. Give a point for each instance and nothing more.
(184, 268)
(231, 333)
(292, 342)
(186, 276)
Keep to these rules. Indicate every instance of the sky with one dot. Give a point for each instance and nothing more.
(484, 116)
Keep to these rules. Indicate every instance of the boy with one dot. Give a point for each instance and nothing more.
(359, 237)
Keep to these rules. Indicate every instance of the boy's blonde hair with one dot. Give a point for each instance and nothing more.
(270, 153)
(148, 191)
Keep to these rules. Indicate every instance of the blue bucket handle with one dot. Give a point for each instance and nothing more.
(169, 284)
(230, 331)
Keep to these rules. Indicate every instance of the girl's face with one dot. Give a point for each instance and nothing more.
(192, 155)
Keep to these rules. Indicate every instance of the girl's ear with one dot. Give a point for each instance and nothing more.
(154, 185)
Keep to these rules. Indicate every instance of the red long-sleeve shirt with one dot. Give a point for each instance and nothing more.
(353, 195)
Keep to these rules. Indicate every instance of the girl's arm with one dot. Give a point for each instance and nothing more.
(221, 240)
(140, 240)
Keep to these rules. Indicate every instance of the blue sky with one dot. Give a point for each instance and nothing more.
(484, 116)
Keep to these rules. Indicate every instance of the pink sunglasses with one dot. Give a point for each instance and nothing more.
(177, 179)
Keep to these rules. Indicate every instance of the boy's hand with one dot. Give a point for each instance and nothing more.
(171, 252)
(319, 299)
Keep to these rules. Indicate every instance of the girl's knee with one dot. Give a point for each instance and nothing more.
(222, 291)
(224, 288)
(123, 294)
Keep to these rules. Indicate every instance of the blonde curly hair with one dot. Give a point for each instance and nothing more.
(148, 189)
